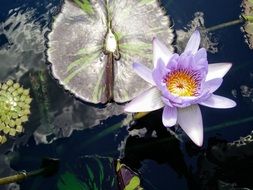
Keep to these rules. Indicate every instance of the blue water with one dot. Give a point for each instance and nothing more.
(163, 163)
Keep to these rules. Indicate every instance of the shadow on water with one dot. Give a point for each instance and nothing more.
(158, 145)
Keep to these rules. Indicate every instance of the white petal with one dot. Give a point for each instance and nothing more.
(160, 51)
(193, 43)
(217, 70)
(169, 116)
(216, 101)
(212, 85)
(190, 120)
(144, 72)
(147, 101)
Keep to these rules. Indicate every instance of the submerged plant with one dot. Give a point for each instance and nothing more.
(88, 173)
(180, 83)
(39, 87)
(93, 44)
(14, 109)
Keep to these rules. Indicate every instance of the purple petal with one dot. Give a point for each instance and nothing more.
(166, 102)
(159, 72)
(177, 101)
(200, 54)
(215, 101)
(190, 120)
(160, 51)
(203, 96)
(187, 101)
(144, 72)
(169, 116)
(212, 85)
(173, 63)
(200, 60)
(170, 99)
(193, 43)
(217, 70)
(185, 61)
(147, 101)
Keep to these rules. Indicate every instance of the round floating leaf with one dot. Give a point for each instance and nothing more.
(93, 45)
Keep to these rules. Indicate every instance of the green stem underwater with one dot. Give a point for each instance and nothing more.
(226, 24)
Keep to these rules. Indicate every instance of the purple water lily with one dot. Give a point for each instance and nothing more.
(179, 84)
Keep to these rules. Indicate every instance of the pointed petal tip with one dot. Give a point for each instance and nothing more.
(155, 42)
(220, 102)
(227, 65)
(234, 104)
(198, 141)
(217, 70)
(160, 51)
(169, 117)
(136, 65)
(190, 120)
(196, 32)
(196, 136)
(129, 109)
(193, 43)
(144, 72)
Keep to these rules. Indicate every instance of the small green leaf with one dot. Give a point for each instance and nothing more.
(91, 175)
(85, 6)
(69, 181)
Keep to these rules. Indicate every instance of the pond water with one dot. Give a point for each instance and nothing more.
(88, 138)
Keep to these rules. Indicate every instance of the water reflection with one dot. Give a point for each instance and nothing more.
(24, 44)
(222, 165)
(158, 144)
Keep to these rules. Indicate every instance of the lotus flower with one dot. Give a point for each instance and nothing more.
(179, 84)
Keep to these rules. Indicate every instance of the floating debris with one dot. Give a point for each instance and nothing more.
(14, 109)
(207, 39)
(93, 45)
(248, 16)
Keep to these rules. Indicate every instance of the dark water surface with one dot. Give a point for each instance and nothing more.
(79, 134)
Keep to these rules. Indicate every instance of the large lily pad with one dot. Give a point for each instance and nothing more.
(93, 45)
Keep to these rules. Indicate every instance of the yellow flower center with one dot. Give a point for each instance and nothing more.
(182, 83)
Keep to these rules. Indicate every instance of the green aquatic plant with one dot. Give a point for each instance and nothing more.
(70, 181)
(93, 44)
(14, 109)
(127, 178)
(39, 84)
(93, 176)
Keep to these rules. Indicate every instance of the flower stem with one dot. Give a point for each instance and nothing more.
(226, 24)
